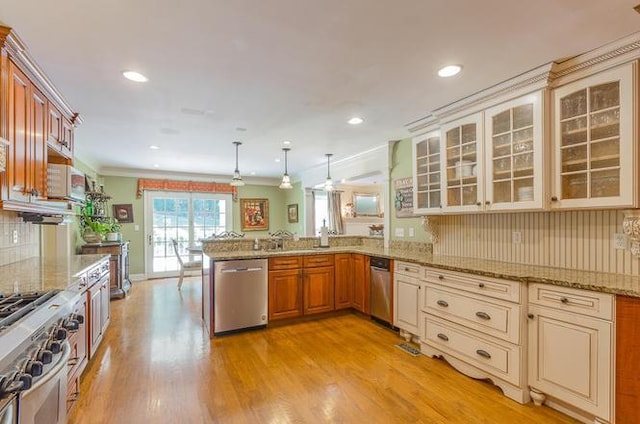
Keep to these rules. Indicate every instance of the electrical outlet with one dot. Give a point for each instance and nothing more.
(620, 241)
(15, 236)
(412, 232)
(399, 232)
(516, 237)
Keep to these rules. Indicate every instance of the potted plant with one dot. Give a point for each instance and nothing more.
(93, 229)
(113, 233)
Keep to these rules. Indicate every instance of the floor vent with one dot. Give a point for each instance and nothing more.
(409, 349)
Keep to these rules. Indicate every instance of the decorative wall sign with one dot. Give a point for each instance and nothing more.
(254, 214)
(292, 213)
(403, 199)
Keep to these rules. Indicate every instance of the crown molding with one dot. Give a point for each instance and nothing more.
(147, 173)
(19, 53)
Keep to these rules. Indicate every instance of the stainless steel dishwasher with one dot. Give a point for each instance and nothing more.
(380, 289)
(240, 297)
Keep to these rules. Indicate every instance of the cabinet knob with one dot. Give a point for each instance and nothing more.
(440, 277)
(479, 204)
(481, 285)
(564, 300)
(442, 303)
(487, 202)
(530, 315)
(554, 199)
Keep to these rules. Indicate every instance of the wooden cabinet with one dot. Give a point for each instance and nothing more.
(119, 264)
(18, 178)
(406, 289)
(99, 312)
(570, 349)
(59, 133)
(318, 285)
(627, 394)
(361, 289)
(343, 280)
(478, 325)
(514, 154)
(427, 174)
(463, 164)
(285, 294)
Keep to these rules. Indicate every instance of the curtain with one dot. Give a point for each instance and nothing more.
(186, 186)
(335, 215)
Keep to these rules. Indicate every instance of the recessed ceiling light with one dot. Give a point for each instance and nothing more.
(449, 71)
(154, 147)
(356, 120)
(277, 159)
(253, 172)
(286, 143)
(134, 76)
(240, 129)
(155, 165)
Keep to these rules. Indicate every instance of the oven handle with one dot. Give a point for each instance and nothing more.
(53, 372)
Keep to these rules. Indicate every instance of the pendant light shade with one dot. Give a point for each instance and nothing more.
(328, 184)
(286, 181)
(236, 181)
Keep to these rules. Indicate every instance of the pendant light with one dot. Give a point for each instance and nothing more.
(236, 181)
(328, 184)
(286, 181)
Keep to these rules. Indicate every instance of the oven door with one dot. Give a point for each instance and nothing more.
(46, 401)
(9, 410)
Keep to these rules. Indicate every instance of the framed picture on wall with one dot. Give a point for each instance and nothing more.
(292, 213)
(123, 213)
(254, 214)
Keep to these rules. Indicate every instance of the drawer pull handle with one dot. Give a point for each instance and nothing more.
(530, 315)
(443, 337)
(483, 315)
(481, 285)
(440, 277)
(483, 353)
(442, 303)
(564, 300)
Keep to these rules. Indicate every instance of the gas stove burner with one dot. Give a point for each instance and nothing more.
(15, 306)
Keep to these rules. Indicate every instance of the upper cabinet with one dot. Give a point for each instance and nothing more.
(514, 154)
(594, 141)
(427, 174)
(462, 150)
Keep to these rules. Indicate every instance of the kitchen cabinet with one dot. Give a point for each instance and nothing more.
(477, 324)
(514, 154)
(406, 289)
(60, 133)
(79, 357)
(99, 312)
(344, 280)
(285, 294)
(463, 164)
(570, 349)
(427, 174)
(361, 289)
(120, 283)
(627, 392)
(595, 144)
(318, 290)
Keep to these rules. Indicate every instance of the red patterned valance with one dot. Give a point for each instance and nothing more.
(188, 186)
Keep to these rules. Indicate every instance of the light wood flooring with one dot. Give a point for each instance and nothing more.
(157, 365)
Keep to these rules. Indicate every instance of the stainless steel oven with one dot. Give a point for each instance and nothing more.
(46, 401)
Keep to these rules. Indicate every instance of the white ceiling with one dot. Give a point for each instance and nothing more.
(284, 70)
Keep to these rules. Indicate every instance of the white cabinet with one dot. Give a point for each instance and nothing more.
(514, 154)
(477, 324)
(406, 289)
(570, 350)
(595, 145)
(461, 142)
(427, 174)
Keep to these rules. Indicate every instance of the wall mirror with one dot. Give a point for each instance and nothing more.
(365, 204)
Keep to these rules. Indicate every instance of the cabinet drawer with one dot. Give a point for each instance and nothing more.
(498, 319)
(501, 360)
(408, 269)
(585, 302)
(493, 287)
(313, 261)
(73, 390)
(285, 262)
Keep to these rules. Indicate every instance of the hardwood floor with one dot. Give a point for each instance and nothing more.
(157, 365)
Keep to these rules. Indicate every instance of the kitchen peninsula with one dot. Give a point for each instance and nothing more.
(582, 299)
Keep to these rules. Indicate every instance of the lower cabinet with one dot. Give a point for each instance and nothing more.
(318, 290)
(570, 350)
(627, 360)
(406, 287)
(343, 280)
(361, 289)
(285, 294)
(99, 312)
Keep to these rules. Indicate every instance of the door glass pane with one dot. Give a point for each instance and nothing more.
(605, 183)
(575, 104)
(605, 96)
(574, 186)
(428, 171)
(523, 116)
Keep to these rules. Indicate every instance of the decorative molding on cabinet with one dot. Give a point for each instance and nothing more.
(19, 53)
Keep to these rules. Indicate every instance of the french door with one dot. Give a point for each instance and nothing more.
(185, 217)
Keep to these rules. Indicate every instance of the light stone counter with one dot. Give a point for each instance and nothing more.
(597, 281)
(39, 274)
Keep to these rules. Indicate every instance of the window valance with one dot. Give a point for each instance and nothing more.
(186, 186)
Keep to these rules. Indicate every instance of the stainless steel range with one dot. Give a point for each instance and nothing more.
(34, 354)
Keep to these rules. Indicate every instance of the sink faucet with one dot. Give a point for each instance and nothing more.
(276, 243)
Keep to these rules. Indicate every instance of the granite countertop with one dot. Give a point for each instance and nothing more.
(40, 274)
(589, 280)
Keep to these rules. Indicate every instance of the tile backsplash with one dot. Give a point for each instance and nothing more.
(28, 238)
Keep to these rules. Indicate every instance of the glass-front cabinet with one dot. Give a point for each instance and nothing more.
(594, 141)
(462, 152)
(427, 189)
(514, 154)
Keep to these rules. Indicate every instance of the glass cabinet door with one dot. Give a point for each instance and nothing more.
(594, 140)
(462, 164)
(514, 154)
(427, 173)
